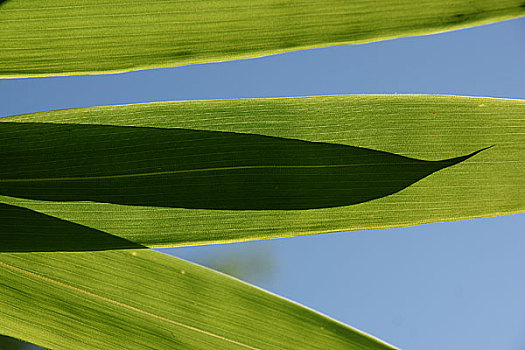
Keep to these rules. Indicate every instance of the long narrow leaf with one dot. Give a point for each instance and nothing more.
(183, 173)
(140, 299)
(69, 37)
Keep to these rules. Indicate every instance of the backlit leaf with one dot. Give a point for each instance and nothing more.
(57, 37)
(183, 173)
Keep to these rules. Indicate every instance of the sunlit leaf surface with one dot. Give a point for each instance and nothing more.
(181, 173)
(140, 299)
(69, 37)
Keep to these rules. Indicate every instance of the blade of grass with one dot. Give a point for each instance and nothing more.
(58, 37)
(140, 299)
(389, 180)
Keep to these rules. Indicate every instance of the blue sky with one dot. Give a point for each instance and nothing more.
(440, 286)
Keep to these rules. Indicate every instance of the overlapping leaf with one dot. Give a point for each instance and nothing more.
(76, 185)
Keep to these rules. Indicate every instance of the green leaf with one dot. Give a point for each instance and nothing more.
(198, 169)
(185, 173)
(57, 37)
(140, 299)
(24, 230)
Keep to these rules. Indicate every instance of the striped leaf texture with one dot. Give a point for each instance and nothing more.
(60, 37)
(186, 173)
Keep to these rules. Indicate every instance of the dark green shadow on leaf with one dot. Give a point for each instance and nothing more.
(8, 343)
(196, 169)
(24, 230)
